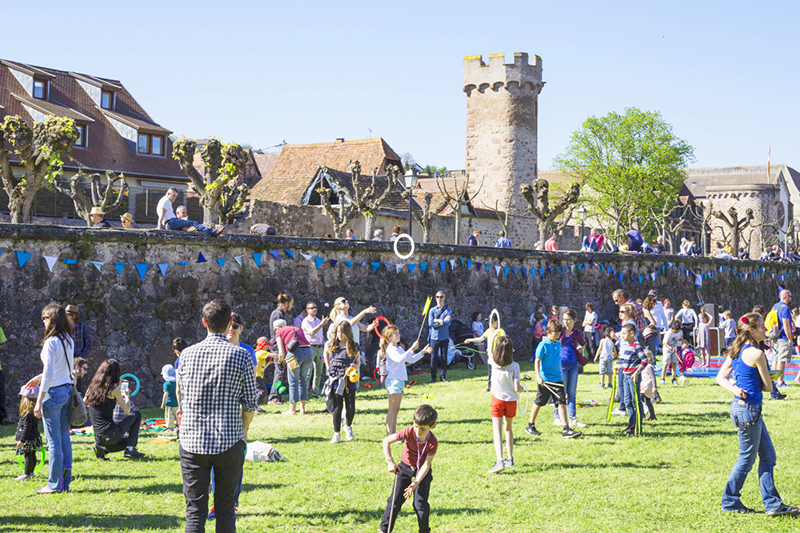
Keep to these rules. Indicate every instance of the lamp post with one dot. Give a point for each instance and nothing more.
(582, 217)
(410, 181)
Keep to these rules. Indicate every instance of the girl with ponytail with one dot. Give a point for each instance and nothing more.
(396, 375)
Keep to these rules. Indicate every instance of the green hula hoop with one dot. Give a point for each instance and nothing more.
(21, 460)
(613, 393)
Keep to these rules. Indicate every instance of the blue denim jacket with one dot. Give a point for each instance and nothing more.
(439, 332)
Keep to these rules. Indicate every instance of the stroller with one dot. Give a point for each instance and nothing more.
(459, 332)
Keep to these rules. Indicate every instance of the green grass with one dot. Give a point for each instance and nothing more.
(669, 480)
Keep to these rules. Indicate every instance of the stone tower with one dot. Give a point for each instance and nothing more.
(502, 117)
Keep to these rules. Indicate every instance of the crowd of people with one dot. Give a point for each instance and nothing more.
(216, 385)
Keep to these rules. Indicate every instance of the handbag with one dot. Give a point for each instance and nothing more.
(77, 409)
(293, 344)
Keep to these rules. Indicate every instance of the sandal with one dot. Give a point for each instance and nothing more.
(46, 490)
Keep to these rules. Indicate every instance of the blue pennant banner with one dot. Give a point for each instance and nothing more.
(388, 266)
(506, 270)
(333, 262)
(375, 266)
(515, 272)
(411, 268)
(488, 266)
(524, 272)
(348, 263)
(289, 253)
(274, 253)
(257, 258)
(200, 258)
(318, 262)
(462, 259)
(119, 267)
(469, 263)
(142, 268)
(70, 261)
(182, 263)
(478, 266)
(443, 265)
(221, 261)
(163, 267)
(22, 258)
(423, 267)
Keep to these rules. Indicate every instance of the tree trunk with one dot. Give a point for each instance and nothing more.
(458, 225)
(426, 232)
(369, 227)
(210, 216)
(735, 239)
(26, 216)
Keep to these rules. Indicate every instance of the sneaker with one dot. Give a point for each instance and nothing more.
(569, 433)
(782, 510)
(619, 412)
(602, 385)
(133, 454)
(574, 423)
(508, 463)
(260, 411)
(664, 381)
(530, 429)
(629, 432)
(674, 381)
(336, 439)
(557, 422)
(99, 453)
(22, 477)
(348, 433)
(211, 514)
(742, 510)
(779, 396)
(499, 466)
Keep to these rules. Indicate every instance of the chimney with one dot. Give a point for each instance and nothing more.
(339, 140)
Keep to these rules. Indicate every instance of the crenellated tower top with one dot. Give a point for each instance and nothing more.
(521, 74)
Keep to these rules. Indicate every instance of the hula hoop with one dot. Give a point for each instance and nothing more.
(637, 402)
(135, 392)
(21, 460)
(613, 393)
(527, 399)
(494, 312)
(413, 246)
(375, 323)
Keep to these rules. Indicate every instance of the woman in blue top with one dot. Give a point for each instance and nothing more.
(749, 366)
(571, 341)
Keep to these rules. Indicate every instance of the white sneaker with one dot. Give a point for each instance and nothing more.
(573, 422)
(619, 412)
(557, 422)
(336, 439)
(348, 433)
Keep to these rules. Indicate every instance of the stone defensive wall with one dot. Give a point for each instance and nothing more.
(137, 290)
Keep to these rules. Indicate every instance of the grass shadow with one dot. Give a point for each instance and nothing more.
(91, 522)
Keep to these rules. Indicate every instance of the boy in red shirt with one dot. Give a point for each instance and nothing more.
(413, 472)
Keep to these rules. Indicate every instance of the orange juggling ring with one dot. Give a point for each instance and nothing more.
(375, 323)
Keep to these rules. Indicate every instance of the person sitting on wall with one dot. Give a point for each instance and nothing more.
(167, 218)
(262, 229)
(377, 235)
(635, 241)
(550, 245)
(395, 233)
(98, 221)
(127, 221)
(502, 240)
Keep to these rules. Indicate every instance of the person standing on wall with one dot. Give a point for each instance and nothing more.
(439, 318)
(217, 396)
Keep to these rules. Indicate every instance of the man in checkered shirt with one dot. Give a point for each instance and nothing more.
(217, 395)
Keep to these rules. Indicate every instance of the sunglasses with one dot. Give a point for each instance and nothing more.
(235, 326)
(311, 307)
(45, 318)
(440, 297)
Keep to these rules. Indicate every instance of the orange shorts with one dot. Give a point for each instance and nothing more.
(502, 409)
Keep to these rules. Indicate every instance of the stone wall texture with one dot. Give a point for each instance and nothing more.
(134, 320)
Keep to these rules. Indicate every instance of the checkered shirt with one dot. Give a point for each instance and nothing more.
(638, 314)
(83, 340)
(217, 382)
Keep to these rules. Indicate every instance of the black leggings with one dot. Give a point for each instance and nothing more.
(30, 462)
(348, 401)
(591, 347)
(114, 439)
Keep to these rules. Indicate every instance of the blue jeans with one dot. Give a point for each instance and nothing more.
(569, 375)
(298, 378)
(55, 413)
(178, 224)
(632, 399)
(753, 440)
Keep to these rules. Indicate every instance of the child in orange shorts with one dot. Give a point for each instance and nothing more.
(505, 386)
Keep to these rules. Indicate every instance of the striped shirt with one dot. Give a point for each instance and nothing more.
(631, 357)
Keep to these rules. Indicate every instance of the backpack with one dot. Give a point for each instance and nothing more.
(772, 323)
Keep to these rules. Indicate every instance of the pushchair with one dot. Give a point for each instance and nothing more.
(459, 332)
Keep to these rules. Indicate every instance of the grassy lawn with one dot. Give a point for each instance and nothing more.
(669, 480)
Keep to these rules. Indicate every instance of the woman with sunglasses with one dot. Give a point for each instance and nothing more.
(341, 313)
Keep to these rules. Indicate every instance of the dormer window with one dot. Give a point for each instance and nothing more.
(80, 142)
(40, 89)
(150, 144)
(107, 100)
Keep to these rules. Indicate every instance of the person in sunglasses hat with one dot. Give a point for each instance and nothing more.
(98, 221)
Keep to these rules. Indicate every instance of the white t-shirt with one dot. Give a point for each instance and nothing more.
(477, 328)
(670, 316)
(606, 349)
(166, 204)
(504, 380)
(671, 339)
(332, 329)
(729, 327)
(589, 328)
(396, 360)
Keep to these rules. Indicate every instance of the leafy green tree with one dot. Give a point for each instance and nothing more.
(630, 166)
(40, 151)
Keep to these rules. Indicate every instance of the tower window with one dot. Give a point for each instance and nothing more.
(107, 100)
(40, 89)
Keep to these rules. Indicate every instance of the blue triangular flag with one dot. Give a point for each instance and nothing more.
(119, 267)
(182, 263)
(375, 266)
(257, 258)
(506, 270)
(478, 265)
(274, 253)
(333, 262)
(318, 262)
(488, 266)
(348, 263)
(200, 258)
(388, 266)
(548, 270)
(621, 275)
(423, 266)
(515, 272)
(22, 258)
(469, 263)
(290, 254)
(221, 261)
(411, 268)
(524, 272)
(70, 261)
(142, 268)
(2, 250)
(442, 265)
(98, 265)
(163, 267)
(462, 259)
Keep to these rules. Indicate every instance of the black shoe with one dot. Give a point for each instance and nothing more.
(99, 453)
(443, 380)
(743, 510)
(569, 433)
(530, 429)
(783, 510)
(779, 396)
(260, 411)
(133, 454)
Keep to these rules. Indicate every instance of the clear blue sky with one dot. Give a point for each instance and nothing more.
(724, 74)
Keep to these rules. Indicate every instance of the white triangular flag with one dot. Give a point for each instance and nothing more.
(306, 256)
(653, 275)
(98, 265)
(572, 268)
(453, 264)
(497, 269)
(238, 259)
(399, 266)
(51, 261)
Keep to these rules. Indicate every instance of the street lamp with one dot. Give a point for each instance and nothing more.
(410, 181)
(582, 217)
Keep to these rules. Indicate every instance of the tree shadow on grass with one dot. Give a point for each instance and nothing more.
(362, 516)
(91, 522)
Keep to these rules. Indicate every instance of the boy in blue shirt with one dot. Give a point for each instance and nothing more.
(632, 362)
(551, 384)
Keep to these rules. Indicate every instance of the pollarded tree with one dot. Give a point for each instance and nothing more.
(628, 164)
(40, 151)
(222, 165)
(538, 198)
(343, 212)
(107, 198)
(426, 215)
(734, 224)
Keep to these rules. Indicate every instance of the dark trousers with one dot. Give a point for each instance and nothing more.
(439, 357)
(3, 412)
(196, 470)
(649, 403)
(30, 462)
(261, 389)
(421, 507)
(115, 438)
(279, 376)
(348, 401)
(591, 347)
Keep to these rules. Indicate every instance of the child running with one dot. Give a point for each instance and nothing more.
(548, 377)
(342, 354)
(605, 354)
(414, 470)
(396, 374)
(632, 362)
(491, 336)
(505, 386)
(669, 359)
(29, 440)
